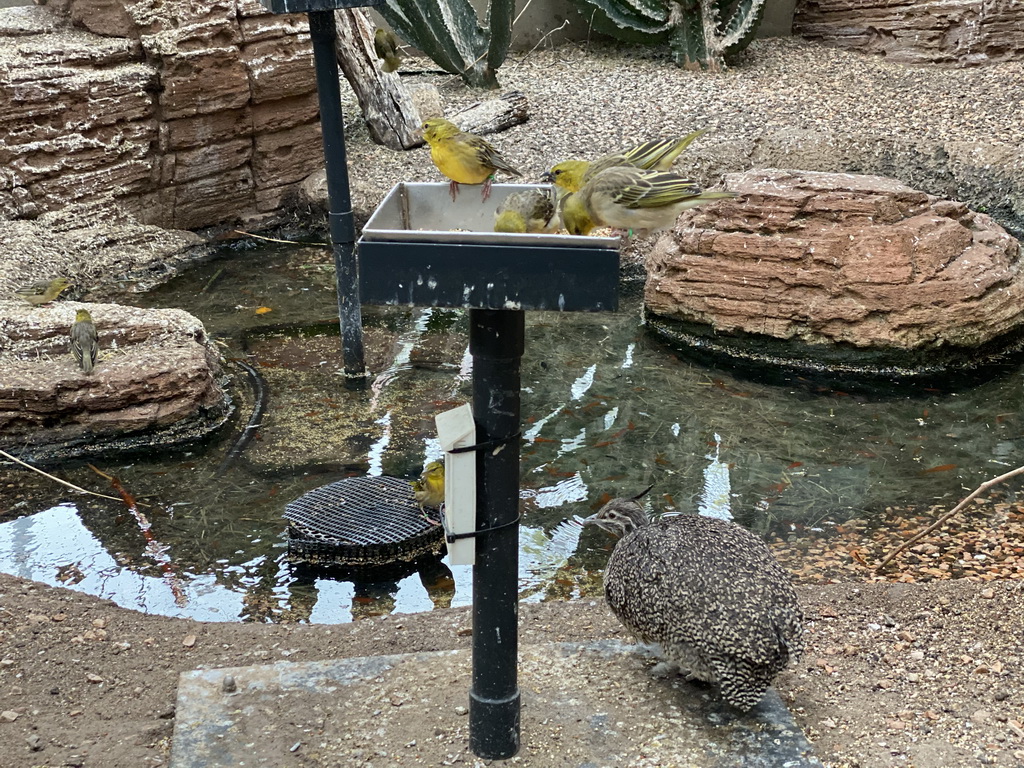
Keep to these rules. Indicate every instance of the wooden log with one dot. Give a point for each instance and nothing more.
(493, 115)
(386, 103)
(389, 107)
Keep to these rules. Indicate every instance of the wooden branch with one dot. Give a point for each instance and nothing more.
(981, 488)
(493, 115)
(387, 106)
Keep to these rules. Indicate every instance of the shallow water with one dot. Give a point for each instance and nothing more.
(607, 411)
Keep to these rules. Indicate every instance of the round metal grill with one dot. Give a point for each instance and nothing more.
(361, 521)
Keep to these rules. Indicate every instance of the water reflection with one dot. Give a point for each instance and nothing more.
(54, 547)
(715, 498)
(607, 411)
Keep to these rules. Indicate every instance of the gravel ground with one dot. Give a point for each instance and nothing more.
(584, 103)
(922, 675)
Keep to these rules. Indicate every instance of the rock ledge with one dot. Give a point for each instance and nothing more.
(157, 382)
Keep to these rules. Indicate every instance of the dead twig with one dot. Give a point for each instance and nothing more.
(980, 489)
(16, 460)
(542, 39)
(274, 239)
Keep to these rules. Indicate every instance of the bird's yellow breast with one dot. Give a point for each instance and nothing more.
(459, 163)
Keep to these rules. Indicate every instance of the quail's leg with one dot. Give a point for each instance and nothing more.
(665, 669)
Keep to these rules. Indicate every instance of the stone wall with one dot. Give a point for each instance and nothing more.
(187, 113)
(952, 32)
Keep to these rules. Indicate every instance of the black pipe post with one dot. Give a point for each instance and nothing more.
(324, 34)
(496, 341)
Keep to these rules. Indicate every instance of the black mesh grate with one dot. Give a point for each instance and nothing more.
(361, 520)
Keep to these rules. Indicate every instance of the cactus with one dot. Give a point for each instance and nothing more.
(701, 33)
(449, 32)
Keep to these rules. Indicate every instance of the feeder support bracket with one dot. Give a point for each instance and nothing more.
(456, 429)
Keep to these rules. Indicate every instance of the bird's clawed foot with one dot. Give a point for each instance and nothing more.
(665, 669)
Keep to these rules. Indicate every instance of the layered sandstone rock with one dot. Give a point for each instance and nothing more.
(158, 381)
(185, 114)
(836, 261)
(90, 243)
(951, 32)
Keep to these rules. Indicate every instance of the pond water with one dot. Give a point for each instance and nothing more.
(607, 411)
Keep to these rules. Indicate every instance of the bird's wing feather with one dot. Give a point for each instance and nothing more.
(660, 153)
(653, 190)
(486, 154)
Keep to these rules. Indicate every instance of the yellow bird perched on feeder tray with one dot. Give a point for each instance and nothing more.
(574, 215)
(428, 490)
(631, 198)
(531, 210)
(657, 154)
(463, 157)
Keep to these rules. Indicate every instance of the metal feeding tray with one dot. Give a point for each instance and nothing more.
(420, 248)
(361, 521)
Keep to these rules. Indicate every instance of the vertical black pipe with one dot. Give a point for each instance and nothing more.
(496, 341)
(324, 34)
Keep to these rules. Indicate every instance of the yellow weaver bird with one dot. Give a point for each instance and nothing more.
(658, 154)
(386, 46)
(631, 198)
(532, 210)
(84, 340)
(429, 489)
(45, 291)
(463, 157)
(574, 215)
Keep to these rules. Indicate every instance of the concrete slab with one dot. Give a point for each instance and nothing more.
(584, 706)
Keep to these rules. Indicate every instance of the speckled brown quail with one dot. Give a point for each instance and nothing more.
(708, 591)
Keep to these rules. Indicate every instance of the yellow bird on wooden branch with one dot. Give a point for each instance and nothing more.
(386, 46)
(631, 198)
(463, 157)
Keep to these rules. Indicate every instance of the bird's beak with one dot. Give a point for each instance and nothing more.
(547, 177)
(592, 520)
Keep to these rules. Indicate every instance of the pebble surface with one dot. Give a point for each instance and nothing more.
(584, 103)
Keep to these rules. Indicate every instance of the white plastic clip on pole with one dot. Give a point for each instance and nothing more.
(456, 429)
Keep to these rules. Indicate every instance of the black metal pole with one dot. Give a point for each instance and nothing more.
(324, 34)
(496, 341)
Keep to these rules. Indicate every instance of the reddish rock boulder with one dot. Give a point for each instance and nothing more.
(157, 382)
(851, 271)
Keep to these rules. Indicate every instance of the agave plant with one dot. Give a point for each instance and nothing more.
(450, 33)
(702, 33)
